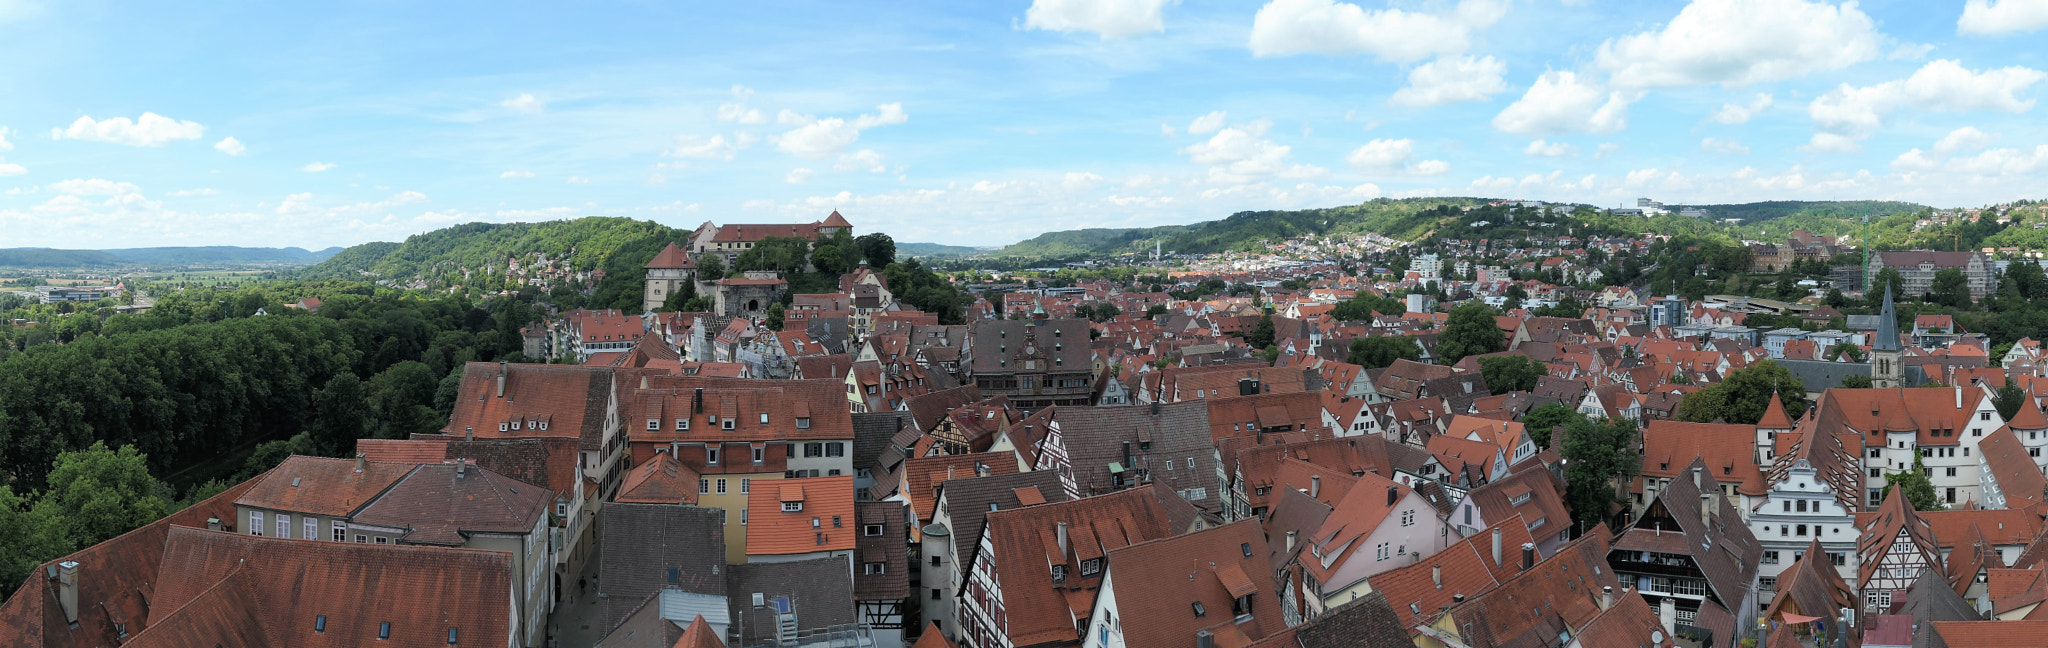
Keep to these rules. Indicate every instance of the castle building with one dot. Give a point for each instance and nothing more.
(667, 274)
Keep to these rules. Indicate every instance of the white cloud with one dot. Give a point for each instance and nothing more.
(150, 129)
(94, 187)
(317, 167)
(525, 103)
(862, 160)
(4, 144)
(714, 147)
(1996, 17)
(10, 169)
(1542, 148)
(1640, 176)
(578, 180)
(1606, 149)
(1736, 42)
(1915, 160)
(1452, 79)
(2003, 162)
(230, 146)
(1430, 167)
(1381, 155)
(182, 193)
(1965, 138)
(1240, 154)
(516, 174)
(1910, 52)
(1206, 124)
(817, 138)
(1109, 19)
(1166, 130)
(1852, 113)
(1832, 143)
(738, 110)
(1727, 146)
(1080, 181)
(799, 176)
(1738, 113)
(1564, 102)
(1284, 27)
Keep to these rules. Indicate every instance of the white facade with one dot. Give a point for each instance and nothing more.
(1798, 509)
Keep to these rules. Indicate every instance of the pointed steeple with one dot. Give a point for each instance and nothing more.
(1896, 418)
(2029, 417)
(1774, 416)
(1887, 325)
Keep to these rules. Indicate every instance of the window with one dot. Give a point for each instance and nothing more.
(653, 424)
(1951, 472)
(792, 507)
(835, 449)
(1767, 583)
(1059, 574)
(764, 418)
(727, 425)
(360, 538)
(721, 485)
(814, 449)
(312, 529)
(1983, 416)
(256, 523)
(340, 531)
(871, 530)
(384, 631)
(682, 424)
(1091, 566)
(872, 569)
(743, 517)
(760, 454)
(703, 486)
(711, 455)
(383, 540)
(284, 525)
(935, 561)
(1770, 558)
(745, 483)
(1839, 559)
(320, 623)
(451, 636)
(803, 422)
(835, 522)
(935, 593)
(1199, 611)
(1382, 551)
(1408, 518)
(1241, 606)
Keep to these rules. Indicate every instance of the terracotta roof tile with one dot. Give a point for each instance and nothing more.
(1159, 582)
(823, 522)
(444, 503)
(1040, 611)
(1729, 451)
(1991, 634)
(1419, 591)
(322, 486)
(922, 475)
(662, 480)
(229, 613)
(894, 582)
(545, 400)
(699, 635)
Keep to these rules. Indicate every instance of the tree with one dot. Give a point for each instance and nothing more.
(1155, 310)
(828, 259)
(1512, 299)
(1951, 288)
(1835, 299)
(1885, 277)
(1261, 336)
(98, 493)
(1381, 351)
(783, 254)
(1361, 308)
(1470, 330)
(29, 536)
(1594, 452)
(1856, 381)
(341, 414)
(268, 455)
(1744, 395)
(1842, 348)
(2008, 399)
(1546, 417)
(878, 249)
(1918, 490)
(775, 315)
(710, 268)
(400, 400)
(1510, 373)
(679, 301)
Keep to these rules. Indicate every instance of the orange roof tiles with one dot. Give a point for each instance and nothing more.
(1728, 450)
(1417, 592)
(823, 520)
(322, 486)
(1991, 634)
(1159, 582)
(1774, 416)
(1023, 542)
(661, 480)
(543, 400)
(671, 257)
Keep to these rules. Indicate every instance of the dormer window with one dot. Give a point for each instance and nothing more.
(515, 425)
(802, 422)
(543, 426)
(1091, 566)
(682, 424)
(504, 426)
(792, 507)
(1059, 574)
(711, 454)
(727, 425)
(652, 425)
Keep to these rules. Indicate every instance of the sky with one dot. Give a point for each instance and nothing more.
(131, 124)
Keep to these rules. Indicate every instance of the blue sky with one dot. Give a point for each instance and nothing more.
(982, 123)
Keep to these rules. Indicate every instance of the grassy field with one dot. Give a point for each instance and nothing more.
(205, 277)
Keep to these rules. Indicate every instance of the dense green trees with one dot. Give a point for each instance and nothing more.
(877, 249)
(1470, 330)
(925, 290)
(1361, 308)
(1950, 289)
(1546, 417)
(1594, 452)
(1918, 489)
(1381, 351)
(1511, 373)
(1744, 395)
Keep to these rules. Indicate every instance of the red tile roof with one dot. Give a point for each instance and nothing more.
(1024, 543)
(825, 521)
(661, 480)
(671, 257)
(322, 486)
(444, 503)
(544, 400)
(1991, 634)
(922, 476)
(699, 635)
(819, 404)
(1417, 592)
(1729, 451)
(1158, 583)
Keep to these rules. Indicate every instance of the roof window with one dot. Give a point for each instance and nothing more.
(384, 631)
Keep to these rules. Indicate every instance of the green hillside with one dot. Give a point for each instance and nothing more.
(48, 258)
(1403, 218)
(159, 256)
(472, 258)
(936, 250)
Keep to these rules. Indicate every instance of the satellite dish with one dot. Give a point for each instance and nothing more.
(1657, 637)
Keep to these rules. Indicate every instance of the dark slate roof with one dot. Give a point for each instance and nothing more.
(968, 500)
(1820, 375)
(820, 593)
(1931, 599)
(1368, 621)
(997, 341)
(642, 542)
(1178, 432)
(643, 627)
(871, 434)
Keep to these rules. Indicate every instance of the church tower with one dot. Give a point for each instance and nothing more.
(1886, 370)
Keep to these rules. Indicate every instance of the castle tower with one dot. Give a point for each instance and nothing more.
(1886, 369)
(1773, 423)
(667, 274)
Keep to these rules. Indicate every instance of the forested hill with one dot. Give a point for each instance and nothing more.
(160, 256)
(1402, 218)
(476, 256)
(1821, 210)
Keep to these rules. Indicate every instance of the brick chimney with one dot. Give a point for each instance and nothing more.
(1496, 546)
(67, 590)
(502, 367)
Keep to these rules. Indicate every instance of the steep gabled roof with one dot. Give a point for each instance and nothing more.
(1811, 587)
(2018, 478)
(1535, 605)
(825, 521)
(1159, 583)
(660, 480)
(1024, 544)
(1774, 415)
(1893, 516)
(1420, 591)
(563, 400)
(322, 486)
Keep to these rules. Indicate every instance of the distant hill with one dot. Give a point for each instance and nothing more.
(937, 250)
(160, 256)
(476, 256)
(1833, 209)
(1402, 219)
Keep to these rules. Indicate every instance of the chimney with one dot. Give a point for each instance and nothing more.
(213, 524)
(1290, 539)
(1061, 529)
(361, 462)
(1155, 408)
(1667, 614)
(1528, 555)
(1706, 509)
(1315, 485)
(468, 433)
(698, 403)
(1205, 639)
(67, 590)
(1606, 597)
(1393, 495)
(1696, 478)
(458, 467)
(502, 365)
(1247, 386)
(675, 449)
(1436, 575)
(1496, 546)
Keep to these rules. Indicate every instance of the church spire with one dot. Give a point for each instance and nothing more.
(1887, 325)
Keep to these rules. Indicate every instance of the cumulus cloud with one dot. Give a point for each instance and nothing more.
(94, 187)
(1206, 124)
(1998, 17)
(1727, 146)
(1381, 154)
(11, 169)
(578, 180)
(2003, 162)
(738, 111)
(1565, 102)
(1736, 42)
(1741, 113)
(1079, 181)
(799, 175)
(862, 160)
(716, 147)
(184, 193)
(1241, 154)
(516, 174)
(1961, 139)
(1453, 79)
(4, 144)
(1847, 114)
(317, 167)
(817, 138)
(1108, 19)
(230, 146)
(1540, 148)
(525, 103)
(150, 129)
(1430, 167)
(1285, 27)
